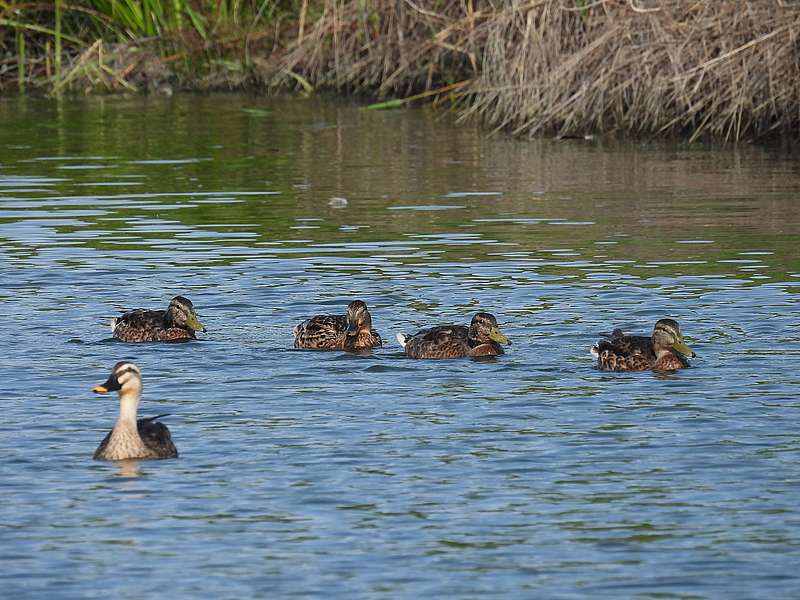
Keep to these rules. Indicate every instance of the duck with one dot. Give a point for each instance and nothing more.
(665, 350)
(176, 324)
(482, 338)
(351, 331)
(131, 438)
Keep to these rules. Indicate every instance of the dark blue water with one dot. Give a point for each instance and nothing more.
(308, 474)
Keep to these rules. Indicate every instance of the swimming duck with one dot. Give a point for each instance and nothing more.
(482, 338)
(145, 438)
(351, 331)
(664, 351)
(176, 324)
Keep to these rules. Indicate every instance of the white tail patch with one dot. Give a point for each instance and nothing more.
(113, 324)
(595, 351)
(402, 338)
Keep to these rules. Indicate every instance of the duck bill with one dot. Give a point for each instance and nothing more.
(497, 336)
(682, 348)
(111, 385)
(352, 329)
(195, 324)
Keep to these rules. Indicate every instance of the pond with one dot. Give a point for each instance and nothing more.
(306, 473)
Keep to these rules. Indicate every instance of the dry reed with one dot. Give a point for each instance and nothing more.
(726, 69)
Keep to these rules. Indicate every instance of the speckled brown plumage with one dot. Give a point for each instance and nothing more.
(481, 338)
(664, 351)
(176, 324)
(351, 331)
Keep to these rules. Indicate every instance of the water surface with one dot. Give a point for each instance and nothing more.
(338, 475)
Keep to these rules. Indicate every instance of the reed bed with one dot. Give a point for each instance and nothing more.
(723, 69)
(726, 69)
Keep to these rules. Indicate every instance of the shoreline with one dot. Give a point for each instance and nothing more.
(723, 72)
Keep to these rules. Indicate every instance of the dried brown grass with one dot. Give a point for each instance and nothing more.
(727, 68)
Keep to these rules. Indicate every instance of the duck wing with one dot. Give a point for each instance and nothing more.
(443, 341)
(625, 353)
(139, 325)
(628, 345)
(156, 437)
(142, 319)
(321, 331)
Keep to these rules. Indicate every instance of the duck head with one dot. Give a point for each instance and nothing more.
(125, 378)
(181, 314)
(667, 336)
(358, 318)
(484, 329)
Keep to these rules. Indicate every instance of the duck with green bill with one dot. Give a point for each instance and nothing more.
(482, 338)
(665, 350)
(176, 324)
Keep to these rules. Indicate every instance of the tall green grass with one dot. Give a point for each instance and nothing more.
(41, 35)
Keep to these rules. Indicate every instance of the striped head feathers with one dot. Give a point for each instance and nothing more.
(181, 313)
(125, 378)
(484, 329)
(667, 336)
(358, 318)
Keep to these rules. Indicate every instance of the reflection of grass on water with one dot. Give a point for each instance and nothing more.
(560, 208)
(530, 247)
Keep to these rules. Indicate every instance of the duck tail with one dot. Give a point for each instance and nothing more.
(156, 418)
(114, 324)
(595, 351)
(402, 338)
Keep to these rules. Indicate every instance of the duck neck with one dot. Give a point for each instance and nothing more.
(128, 406)
(474, 338)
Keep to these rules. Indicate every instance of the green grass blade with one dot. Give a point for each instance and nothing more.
(58, 39)
(40, 29)
(308, 89)
(389, 104)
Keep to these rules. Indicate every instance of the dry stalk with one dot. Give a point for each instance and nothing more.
(727, 69)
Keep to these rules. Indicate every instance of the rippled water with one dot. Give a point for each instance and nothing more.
(330, 474)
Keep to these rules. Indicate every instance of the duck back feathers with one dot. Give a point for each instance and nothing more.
(351, 331)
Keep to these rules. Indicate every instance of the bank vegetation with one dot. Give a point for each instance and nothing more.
(727, 69)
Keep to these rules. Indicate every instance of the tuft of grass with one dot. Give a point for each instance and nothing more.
(143, 40)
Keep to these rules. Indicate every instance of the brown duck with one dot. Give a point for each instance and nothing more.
(665, 350)
(482, 338)
(176, 324)
(351, 331)
(132, 438)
